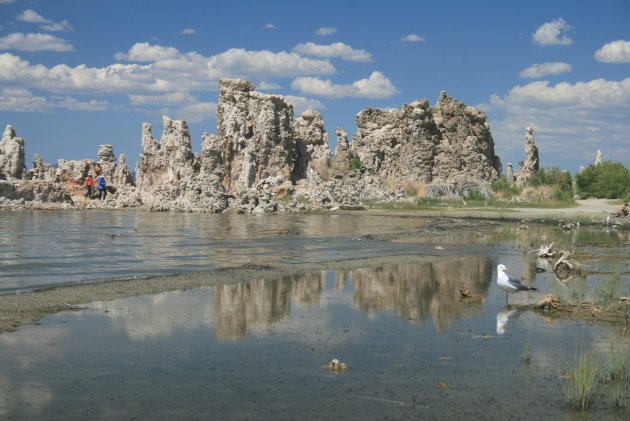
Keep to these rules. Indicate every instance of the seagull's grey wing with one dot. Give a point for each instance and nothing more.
(516, 283)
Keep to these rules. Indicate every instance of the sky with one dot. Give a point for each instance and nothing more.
(75, 74)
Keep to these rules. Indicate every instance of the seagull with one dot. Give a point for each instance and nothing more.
(509, 284)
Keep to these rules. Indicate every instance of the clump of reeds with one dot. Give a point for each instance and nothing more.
(526, 355)
(580, 390)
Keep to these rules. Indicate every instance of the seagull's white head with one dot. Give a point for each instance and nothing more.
(501, 268)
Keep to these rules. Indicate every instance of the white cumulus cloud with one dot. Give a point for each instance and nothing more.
(243, 63)
(614, 52)
(31, 16)
(337, 49)
(196, 112)
(157, 76)
(326, 31)
(412, 38)
(376, 86)
(188, 31)
(170, 98)
(301, 104)
(571, 121)
(553, 33)
(145, 52)
(21, 100)
(269, 26)
(34, 42)
(544, 69)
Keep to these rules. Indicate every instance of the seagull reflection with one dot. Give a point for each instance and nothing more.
(506, 313)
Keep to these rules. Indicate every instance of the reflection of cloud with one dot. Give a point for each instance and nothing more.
(160, 315)
(31, 397)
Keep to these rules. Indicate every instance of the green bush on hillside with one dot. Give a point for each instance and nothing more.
(559, 180)
(506, 188)
(355, 163)
(608, 180)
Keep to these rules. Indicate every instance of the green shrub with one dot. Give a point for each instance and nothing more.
(505, 188)
(608, 180)
(355, 163)
(552, 177)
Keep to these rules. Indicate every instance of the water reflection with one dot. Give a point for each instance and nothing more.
(426, 290)
(415, 292)
(507, 313)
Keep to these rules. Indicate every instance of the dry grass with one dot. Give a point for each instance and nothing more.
(414, 188)
(537, 194)
(322, 167)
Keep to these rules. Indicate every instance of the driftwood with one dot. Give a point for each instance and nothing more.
(564, 266)
(552, 305)
(468, 295)
(545, 250)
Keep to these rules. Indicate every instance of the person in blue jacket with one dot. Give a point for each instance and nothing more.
(102, 187)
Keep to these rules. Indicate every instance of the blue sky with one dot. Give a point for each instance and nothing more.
(76, 74)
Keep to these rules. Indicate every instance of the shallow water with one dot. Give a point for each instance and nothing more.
(256, 350)
(39, 248)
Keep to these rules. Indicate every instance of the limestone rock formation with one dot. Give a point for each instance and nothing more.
(312, 144)
(466, 148)
(169, 175)
(262, 159)
(418, 143)
(530, 164)
(509, 174)
(256, 132)
(599, 156)
(122, 176)
(42, 171)
(11, 154)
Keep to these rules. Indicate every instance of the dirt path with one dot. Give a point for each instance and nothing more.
(591, 210)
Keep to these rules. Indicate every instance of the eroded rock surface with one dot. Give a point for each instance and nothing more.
(262, 159)
(530, 164)
(11, 154)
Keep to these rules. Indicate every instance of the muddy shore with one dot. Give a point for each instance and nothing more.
(29, 307)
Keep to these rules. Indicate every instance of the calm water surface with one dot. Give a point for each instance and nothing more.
(255, 350)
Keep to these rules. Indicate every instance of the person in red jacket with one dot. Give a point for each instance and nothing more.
(88, 185)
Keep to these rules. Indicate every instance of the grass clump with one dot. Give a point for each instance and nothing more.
(580, 390)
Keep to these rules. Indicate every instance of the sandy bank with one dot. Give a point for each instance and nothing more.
(595, 210)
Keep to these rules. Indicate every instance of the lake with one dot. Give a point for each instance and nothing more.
(257, 349)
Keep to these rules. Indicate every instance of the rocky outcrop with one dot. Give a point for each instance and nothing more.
(169, 175)
(417, 143)
(312, 146)
(11, 154)
(599, 156)
(42, 171)
(256, 132)
(262, 159)
(530, 165)
(465, 148)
